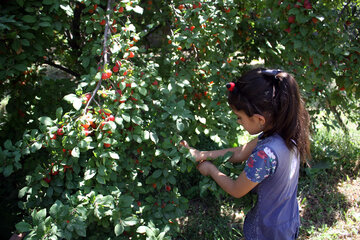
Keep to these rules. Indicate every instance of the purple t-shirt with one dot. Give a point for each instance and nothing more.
(276, 169)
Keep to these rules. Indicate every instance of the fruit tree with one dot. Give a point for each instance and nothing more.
(144, 76)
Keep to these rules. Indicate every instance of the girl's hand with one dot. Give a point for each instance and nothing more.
(194, 152)
(206, 168)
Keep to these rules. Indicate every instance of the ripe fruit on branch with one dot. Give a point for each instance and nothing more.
(291, 19)
(107, 145)
(111, 118)
(106, 75)
(115, 69)
(103, 22)
(87, 96)
(307, 4)
(46, 179)
(60, 132)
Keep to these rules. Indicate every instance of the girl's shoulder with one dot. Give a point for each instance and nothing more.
(273, 140)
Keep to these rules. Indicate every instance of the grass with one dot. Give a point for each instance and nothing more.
(328, 196)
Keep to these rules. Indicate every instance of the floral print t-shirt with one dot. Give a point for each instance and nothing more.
(261, 164)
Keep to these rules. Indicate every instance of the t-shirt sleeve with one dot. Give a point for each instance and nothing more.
(261, 164)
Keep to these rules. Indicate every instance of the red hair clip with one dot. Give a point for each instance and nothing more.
(230, 86)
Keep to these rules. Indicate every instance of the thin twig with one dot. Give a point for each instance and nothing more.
(106, 33)
(342, 11)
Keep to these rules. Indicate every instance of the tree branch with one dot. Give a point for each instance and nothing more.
(48, 62)
(342, 10)
(74, 42)
(106, 34)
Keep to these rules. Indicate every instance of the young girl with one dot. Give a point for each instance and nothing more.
(267, 102)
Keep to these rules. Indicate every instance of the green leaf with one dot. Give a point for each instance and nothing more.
(59, 113)
(8, 170)
(89, 173)
(29, 19)
(157, 173)
(119, 229)
(137, 120)
(70, 97)
(142, 91)
(58, 26)
(25, 42)
(137, 138)
(100, 179)
(8, 144)
(154, 137)
(46, 121)
(40, 215)
(86, 62)
(102, 170)
(44, 24)
(20, 2)
(20, 67)
(77, 103)
(48, 2)
(80, 228)
(114, 155)
(130, 221)
(138, 9)
(44, 184)
(23, 227)
(142, 229)
(125, 201)
(56, 208)
(126, 117)
(36, 146)
(75, 152)
(68, 10)
(23, 191)
(179, 125)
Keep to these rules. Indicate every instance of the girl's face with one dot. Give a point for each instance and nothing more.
(254, 124)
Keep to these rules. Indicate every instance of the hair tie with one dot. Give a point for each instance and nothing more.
(271, 72)
(230, 86)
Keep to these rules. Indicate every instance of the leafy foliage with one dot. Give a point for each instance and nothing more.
(148, 75)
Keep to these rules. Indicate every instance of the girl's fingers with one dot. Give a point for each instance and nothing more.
(184, 144)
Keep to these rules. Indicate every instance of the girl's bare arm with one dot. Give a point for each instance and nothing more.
(240, 153)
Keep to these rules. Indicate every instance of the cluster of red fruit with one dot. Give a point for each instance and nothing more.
(306, 4)
(54, 173)
(292, 18)
(59, 132)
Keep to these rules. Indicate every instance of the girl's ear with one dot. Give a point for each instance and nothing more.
(260, 119)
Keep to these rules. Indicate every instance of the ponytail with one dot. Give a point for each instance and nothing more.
(290, 118)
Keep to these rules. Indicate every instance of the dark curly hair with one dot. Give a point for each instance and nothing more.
(275, 95)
